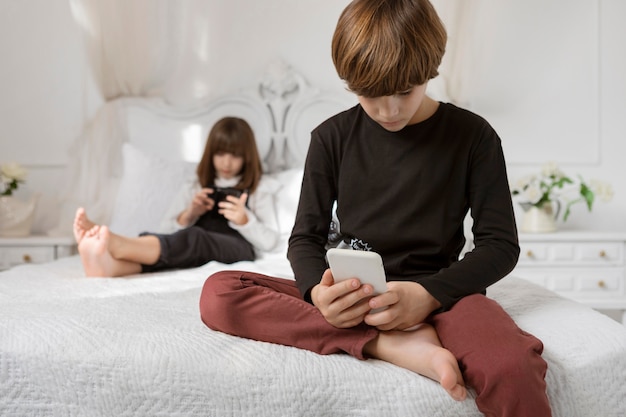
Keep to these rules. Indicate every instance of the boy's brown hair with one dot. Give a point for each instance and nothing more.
(383, 47)
(231, 135)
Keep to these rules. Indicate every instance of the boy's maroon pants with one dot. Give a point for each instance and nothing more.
(501, 362)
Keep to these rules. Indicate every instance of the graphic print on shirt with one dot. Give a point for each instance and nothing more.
(337, 240)
(358, 244)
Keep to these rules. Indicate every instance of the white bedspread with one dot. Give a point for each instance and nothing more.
(76, 346)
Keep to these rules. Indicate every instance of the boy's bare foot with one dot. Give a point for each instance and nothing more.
(82, 224)
(420, 351)
(94, 252)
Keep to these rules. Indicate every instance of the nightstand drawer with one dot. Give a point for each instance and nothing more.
(27, 254)
(34, 249)
(577, 283)
(576, 253)
(586, 266)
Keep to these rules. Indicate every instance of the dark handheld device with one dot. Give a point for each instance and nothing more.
(220, 193)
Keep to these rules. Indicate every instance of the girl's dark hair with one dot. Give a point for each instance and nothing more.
(383, 47)
(231, 135)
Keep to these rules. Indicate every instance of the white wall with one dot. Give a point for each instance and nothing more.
(47, 92)
(242, 37)
(45, 97)
(610, 163)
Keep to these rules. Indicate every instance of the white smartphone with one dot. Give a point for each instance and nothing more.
(364, 265)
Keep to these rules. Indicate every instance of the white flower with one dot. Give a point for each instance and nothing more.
(569, 193)
(11, 175)
(532, 194)
(601, 189)
(551, 169)
(524, 182)
(552, 185)
(13, 171)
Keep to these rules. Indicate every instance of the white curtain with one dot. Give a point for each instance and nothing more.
(133, 46)
(133, 49)
(468, 26)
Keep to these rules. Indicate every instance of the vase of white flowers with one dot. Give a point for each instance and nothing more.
(16, 216)
(545, 196)
(540, 219)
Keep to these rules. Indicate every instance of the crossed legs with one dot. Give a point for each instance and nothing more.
(499, 360)
(107, 254)
(271, 310)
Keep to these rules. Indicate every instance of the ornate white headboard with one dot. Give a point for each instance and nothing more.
(282, 110)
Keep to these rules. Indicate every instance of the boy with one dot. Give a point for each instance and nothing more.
(404, 170)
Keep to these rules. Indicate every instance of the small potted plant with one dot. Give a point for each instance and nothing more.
(11, 175)
(545, 195)
(16, 217)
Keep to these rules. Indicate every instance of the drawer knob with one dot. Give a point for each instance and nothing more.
(602, 254)
(27, 258)
(530, 254)
(601, 284)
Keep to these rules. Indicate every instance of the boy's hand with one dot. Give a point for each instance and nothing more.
(408, 304)
(343, 304)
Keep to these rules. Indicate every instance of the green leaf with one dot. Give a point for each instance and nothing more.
(587, 194)
(562, 181)
(566, 214)
(568, 207)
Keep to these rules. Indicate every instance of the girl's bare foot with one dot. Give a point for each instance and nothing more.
(97, 258)
(82, 224)
(420, 351)
(94, 252)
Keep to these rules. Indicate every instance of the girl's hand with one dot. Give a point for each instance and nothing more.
(200, 204)
(234, 209)
(408, 304)
(343, 304)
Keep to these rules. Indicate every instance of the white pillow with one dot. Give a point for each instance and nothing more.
(147, 187)
(287, 198)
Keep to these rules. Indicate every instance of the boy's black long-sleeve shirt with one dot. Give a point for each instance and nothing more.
(405, 195)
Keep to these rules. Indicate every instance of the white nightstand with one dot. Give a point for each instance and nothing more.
(589, 267)
(35, 249)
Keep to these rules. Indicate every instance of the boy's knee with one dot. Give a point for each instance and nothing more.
(512, 365)
(211, 297)
(513, 384)
(221, 282)
(521, 364)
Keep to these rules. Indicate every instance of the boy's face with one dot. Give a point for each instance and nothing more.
(395, 112)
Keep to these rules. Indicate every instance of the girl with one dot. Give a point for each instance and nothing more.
(224, 215)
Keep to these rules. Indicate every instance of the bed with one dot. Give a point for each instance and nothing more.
(135, 346)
